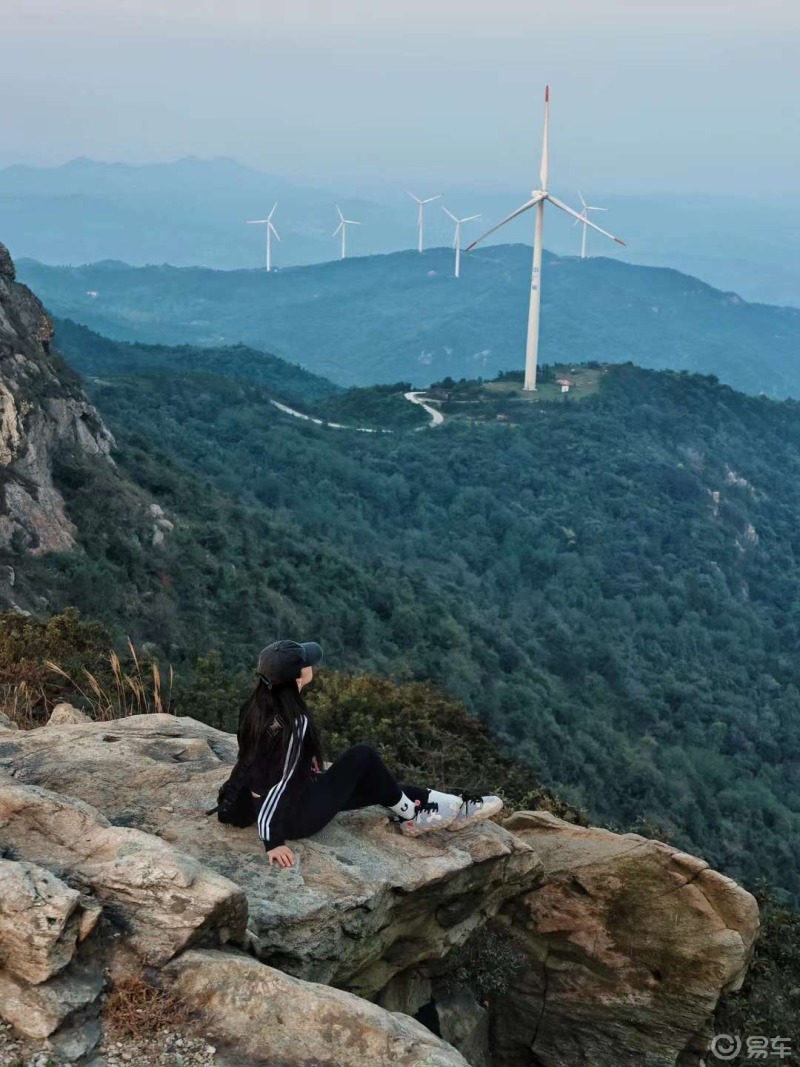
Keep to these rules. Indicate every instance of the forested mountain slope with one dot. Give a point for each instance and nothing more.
(613, 585)
(404, 317)
(91, 354)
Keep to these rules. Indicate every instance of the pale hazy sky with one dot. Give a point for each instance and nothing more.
(685, 95)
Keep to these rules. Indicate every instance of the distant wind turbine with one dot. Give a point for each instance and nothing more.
(270, 231)
(457, 238)
(584, 218)
(421, 213)
(342, 228)
(537, 200)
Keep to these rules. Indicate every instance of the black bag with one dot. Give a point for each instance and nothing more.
(235, 803)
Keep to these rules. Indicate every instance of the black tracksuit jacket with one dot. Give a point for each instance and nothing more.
(275, 782)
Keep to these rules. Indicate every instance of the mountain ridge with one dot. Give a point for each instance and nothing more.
(368, 320)
(193, 211)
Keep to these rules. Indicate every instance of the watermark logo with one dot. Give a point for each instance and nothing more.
(726, 1046)
(754, 1047)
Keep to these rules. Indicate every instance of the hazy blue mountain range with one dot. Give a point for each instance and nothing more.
(193, 211)
(404, 317)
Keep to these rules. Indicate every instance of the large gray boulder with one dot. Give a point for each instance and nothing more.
(617, 947)
(161, 898)
(629, 944)
(265, 1016)
(363, 904)
(42, 921)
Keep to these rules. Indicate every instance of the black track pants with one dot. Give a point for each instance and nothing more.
(357, 779)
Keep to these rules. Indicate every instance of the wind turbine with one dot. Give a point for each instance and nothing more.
(537, 200)
(343, 224)
(421, 213)
(457, 238)
(270, 231)
(584, 219)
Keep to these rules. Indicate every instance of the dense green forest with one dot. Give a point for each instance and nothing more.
(91, 355)
(376, 319)
(612, 585)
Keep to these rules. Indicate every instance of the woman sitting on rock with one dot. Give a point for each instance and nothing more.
(278, 779)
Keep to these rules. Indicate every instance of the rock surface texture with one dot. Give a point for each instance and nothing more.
(163, 899)
(42, 921)
(43, 413)
(284, 1020)
(66, 715)
(363, 903)
(629, 944)
(622, 945)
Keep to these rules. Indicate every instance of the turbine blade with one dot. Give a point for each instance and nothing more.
(591, 207)
(274, 231)
(431, 199)
(584, 220)
(469, 218)
(414, 197)
(341, 216)
(338, 228)
(531, 203)
(256, 222)
(269, 217)
(580, 197)
(450, 213)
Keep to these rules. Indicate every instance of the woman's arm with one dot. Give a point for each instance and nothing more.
(271, 813)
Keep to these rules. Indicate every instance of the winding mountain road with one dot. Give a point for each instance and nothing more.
(321, 422)
(437, 418)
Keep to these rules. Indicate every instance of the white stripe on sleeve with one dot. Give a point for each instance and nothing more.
(274, 795)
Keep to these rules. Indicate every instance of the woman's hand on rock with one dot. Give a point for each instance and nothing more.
(282, 855)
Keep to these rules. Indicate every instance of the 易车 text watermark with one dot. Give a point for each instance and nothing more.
(726, 1047)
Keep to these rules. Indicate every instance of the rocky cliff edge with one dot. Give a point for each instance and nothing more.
(43, 413)
(613, 948)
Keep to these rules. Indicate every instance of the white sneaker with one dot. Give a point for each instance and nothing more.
(431, 816)
(475, 809)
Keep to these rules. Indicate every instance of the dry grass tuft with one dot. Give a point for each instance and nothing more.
(19, 702)
(140, 691)
(135, 1005)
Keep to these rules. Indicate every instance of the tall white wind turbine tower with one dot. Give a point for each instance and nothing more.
(457, 238)
(342, 228)
(537, 200)
(584, 219)
(421, 214)
(271, 231)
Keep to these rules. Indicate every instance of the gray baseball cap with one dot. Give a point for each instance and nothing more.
(282, 661)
